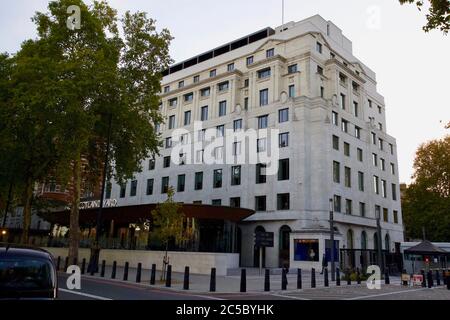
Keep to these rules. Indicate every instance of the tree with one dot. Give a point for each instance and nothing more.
(168, 224)
(426, 202)
(438, 16)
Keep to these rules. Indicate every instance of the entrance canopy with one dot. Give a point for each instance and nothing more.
(426, 248)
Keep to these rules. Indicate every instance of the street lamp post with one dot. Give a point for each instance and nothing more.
(379, 253)
(333, 267)
(8, 201)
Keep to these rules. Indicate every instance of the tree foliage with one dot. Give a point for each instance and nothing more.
(438, 16)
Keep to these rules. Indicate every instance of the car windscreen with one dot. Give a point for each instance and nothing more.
(23, 274)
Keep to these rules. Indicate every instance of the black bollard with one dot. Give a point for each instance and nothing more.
(102, 271)
(387, 280)
(349, 279)
(114, 267)
(66, 264)
(243, 280)
(325, 278)
(58, 263)
(169, 276)
(91, 268)
(138, 272)
(424, 280)
(186, 278)
(153, 274)
(313, 278)
(299, 278)
(125, 271)
(338, 277)
(283, 279)
(358, 276)
(83, 266)
(430, 279)
(75, 261)
(212, 283)
(438, 279)
(267, 280)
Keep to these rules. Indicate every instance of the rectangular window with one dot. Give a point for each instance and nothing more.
(322, 92)
(320, 70)
(223, 86)
(166, 89)
(335, 142)
(230, 67)
(283, 139)
(204, 113)
(171, 122)
(391, 147)
(343, 79)
(348, 206)
(133, 189)
(260, 203)
(380, 126)
(181, 84)
(380, 144)
(246, 83)
(164, 185)
(379, 109)
(213, 73)
(198, 181)
(218, 152)
(270, 53)
(292, 68)
(220, 131)
(235, 175)
(261, 145)
(361, 181)
(199, 156)
(264, 73)
(370, 103)
(250, 60)
(348, 177)
(235, 202)
(149, 190)
(181, 183)
(359, 153)
(217, 179)
(395, 216)
(335, 118)
(378, 211)
(283, 115)
(357, 132)
(319, 47)
(263, 122)
(385, 215)
(374, 138)
(263, 97)
(283, 170)
(394, 192)
(283, 201)
(336, 172)
(343, 101)
(260, 173)
(108, 190)
(337, 203)
(222, 108)
(123, 190)
(362, 209)
(151, 164)
(188, 97)
(392, 169)
(384, 188)
(173, 102)
(383, 164)
(205, 92)
(196, 79)
(347, 149)
(168, 143)
(376, 185)
(374, 159)
(236, 148)
(216, 202)
(187, 118)
(237, 125)
(344, 125)
(292, 91)
(355, 109)
(166, 162)
(246, 103)
(201, 135)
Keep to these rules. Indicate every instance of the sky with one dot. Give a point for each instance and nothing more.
(412, 67)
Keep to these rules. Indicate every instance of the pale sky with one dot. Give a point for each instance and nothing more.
(412, 67)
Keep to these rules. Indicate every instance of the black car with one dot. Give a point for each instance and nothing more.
(27, 273)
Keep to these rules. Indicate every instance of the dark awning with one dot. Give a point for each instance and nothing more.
(134, 214)
(426, 247)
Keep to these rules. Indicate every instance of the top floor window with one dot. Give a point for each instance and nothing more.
(181, 84)
(230, 67)
(213, 73)
(319, 47)
(250, 60)
(223, 86)
(292, 68)
(270, 53)
(196, 79)
(264, 73)
(166, 89)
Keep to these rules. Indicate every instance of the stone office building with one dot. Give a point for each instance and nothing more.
(302, 79)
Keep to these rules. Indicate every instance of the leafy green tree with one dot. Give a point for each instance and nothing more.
(438, 16)
(426, 202)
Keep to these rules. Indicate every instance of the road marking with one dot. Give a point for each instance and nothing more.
(286, 296)
(84, 294)
(385, 294)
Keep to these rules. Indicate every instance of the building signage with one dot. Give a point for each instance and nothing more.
(264, 239)
(96, 204)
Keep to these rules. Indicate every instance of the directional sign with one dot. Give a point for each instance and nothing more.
(264, 239)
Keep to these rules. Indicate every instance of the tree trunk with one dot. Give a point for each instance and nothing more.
(74, 228)
(27, 197)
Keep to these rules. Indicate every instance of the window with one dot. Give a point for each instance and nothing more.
(357, 132)
(348, 177)
(201, 135)
(123, 190)
(355, 86)
(336, 172)
(283, 139)
(235, 175)
(181, 84)
(168, 143)
(260, 203)
(166, 89)
(343, 101)
(342, 79)
(359, 154)
(270, 53)
(217, 178)
(263, 97)
(223, 86)
(381, 144)
(263, 122)
(205, 92)
(344, 125)
(322, 92)
(235, 202)
(283, 201)
(246, 103)
(198, 181)
(230, 67)
(171, 122)
(380, 126)
(237, 125)
(188, 97)
(283, 115)
(204, 113)
(335, 142)
(370, 103)
(213, 73)
(391, 148)
(385, 215)
(236, 148)
(264, 73)
(348, 206)
(199, 156)
(376, 185)
(347, 149)
(361, 181)
(218, 152)
(283, 170)
(377, 211)
(181, 182)
(260, 173)
(246, 83)
(164, 185)
(362, 209)
(320, 70)
(196, 79)
(394, 192)
(337, 203)
(383, 164)
(374, 138)
(374, 159)
(187, 118)
(392, 169)
(250, 60)
(335, 118)
(379, 109)
(108, 190)
(292, 68)
(173, 102)
(182, 159)
(220, 131)
(222, 108)
(166, 162)
(261, 145)
(292, 91)
(395, 216)
(384, 188)
(151, 164)
(319, 47)
(355, 109)
(149, 190)
(216, 202)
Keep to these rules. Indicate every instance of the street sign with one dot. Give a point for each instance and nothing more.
(264, 239)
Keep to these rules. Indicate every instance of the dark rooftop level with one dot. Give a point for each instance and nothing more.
(264, 33)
